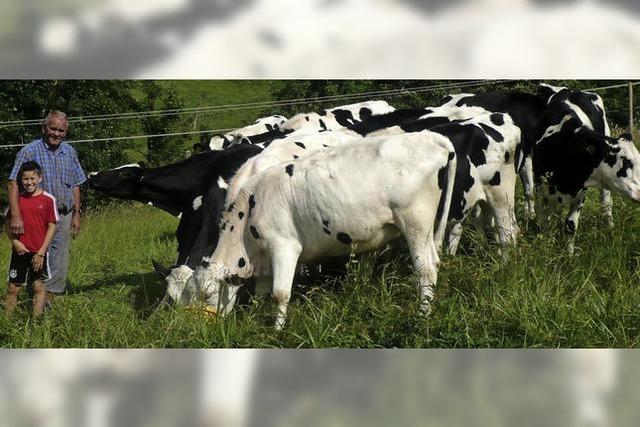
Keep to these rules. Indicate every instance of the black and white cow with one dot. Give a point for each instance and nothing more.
(303, 123)
(305, 209)
(534, 114)
(194, 188)
(338, 117)
(572, 158)
(261, 125)
(485, 145)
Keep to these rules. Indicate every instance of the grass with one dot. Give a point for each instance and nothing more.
(532, 295)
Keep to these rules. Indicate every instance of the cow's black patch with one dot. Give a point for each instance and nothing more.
(322, 125)
(507, 156)
(326, 230)
(365, 113)
(230, 208)
(344, 238)
(254, 232)
(270, 127)
(494, 134)
(306, 118)
(446, 99)
(241, 262)
(224, 226)
(240, 214)
(626, 165)
(497, 119)
(289, 169)
(325, 222)
(301, 145)
(325, 145)
(295, 157)
(495, 180)
(252, 204)
(231, 229)
(428, 111)
(570, 226)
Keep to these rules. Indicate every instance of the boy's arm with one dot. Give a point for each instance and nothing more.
(48, 237)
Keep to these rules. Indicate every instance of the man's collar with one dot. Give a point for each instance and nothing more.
(48, 148)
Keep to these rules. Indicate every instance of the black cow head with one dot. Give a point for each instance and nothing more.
(122, 182)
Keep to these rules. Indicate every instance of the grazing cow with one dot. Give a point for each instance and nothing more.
(261, 125)
(533, 114)
(317, 206)
(572, 158)
(194, 188)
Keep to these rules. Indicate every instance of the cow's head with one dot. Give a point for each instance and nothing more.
(122, 182)
(620, 167)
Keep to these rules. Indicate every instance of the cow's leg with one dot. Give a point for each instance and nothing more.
(418, 232)
(500, 200)
(573, 217)
(606, 206)
(284, 258)
(526, 176)
(453, 239)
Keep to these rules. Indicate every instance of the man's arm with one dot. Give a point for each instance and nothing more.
(75, 218)
(16, 225)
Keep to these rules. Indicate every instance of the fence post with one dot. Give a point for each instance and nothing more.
(630, 108)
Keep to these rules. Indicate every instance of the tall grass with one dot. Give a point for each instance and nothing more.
(530, 295)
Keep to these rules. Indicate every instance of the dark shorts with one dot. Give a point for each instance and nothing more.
(20, 269)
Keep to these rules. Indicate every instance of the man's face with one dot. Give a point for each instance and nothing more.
(55, 130)
(30, 181)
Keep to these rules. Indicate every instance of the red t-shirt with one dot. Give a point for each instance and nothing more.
(37, 212)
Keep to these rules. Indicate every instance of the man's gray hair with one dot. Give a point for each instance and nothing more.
(54, 113)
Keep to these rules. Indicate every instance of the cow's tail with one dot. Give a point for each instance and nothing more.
(448, 179)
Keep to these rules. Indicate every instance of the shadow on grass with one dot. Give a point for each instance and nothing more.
(147, 289)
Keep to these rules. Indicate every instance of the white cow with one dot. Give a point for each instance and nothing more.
(356, 193)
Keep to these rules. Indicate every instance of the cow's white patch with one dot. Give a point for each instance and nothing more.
(555, 128)
(197, 202)
(581, 115)
(222, 183)
(132, 165)
(150, 203)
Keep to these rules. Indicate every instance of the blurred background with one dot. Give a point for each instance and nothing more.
(102, 388)
(320, 39)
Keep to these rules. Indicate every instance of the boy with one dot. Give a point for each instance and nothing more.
(29, 255)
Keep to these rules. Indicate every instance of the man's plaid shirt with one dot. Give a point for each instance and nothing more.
(61, 170)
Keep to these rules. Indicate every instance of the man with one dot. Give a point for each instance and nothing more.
(61, 176)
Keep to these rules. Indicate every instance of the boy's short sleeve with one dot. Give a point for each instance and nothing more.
(52, 211)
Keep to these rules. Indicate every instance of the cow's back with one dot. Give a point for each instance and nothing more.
(348, 194)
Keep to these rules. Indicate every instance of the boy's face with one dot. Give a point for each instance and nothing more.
(30, 181)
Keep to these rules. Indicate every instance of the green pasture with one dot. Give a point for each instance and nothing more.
(530, 295)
